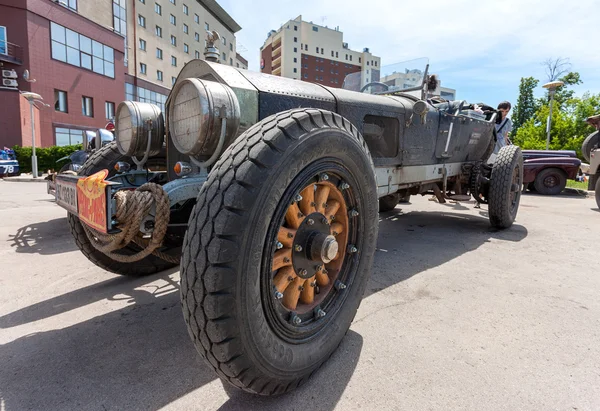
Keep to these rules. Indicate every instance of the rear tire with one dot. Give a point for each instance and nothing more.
(106, 158)
(550, 181)
(589, 144)
(237, 322)
(505, 187)
(389, 202)
(597, 191)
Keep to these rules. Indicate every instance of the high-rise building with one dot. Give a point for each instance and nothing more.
(87, 56)
(310, 52)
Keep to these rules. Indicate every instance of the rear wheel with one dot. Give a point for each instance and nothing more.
(550, 181)
(106, 158)
(589, 144)
(505, 187)
(279, 249)
(597, 191)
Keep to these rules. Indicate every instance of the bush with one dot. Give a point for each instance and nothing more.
(46, 157)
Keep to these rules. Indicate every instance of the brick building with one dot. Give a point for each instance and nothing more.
(310, 52)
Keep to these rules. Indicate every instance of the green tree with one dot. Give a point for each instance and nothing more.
(527, 105)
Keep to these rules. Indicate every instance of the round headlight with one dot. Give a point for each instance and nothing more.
(195, 116)
(136, 123)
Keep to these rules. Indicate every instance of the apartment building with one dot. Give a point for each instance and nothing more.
(310, 52)
(410, 78)
(241, 62)
(87, 56)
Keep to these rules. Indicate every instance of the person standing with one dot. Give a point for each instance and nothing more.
(503, 129)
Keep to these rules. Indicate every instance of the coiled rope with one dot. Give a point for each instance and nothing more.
(132, 207)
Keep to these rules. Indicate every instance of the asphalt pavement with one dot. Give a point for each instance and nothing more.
(457, 315)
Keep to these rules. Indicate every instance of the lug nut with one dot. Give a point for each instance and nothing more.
(278, 245)
(298, 247)
(319, 267)
(325, 220)
(339, 285)
(294, 319)
(325, 271)
(344, 186)
(320, 313)
(290, 235)
(352, 249)
(324, 177)
(353, 213)
(302, 272)
(298, 198)
(286, 260)
(278, 295)
(310, 221)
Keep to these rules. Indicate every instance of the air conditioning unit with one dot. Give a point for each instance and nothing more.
(7, 82)
(9, 74)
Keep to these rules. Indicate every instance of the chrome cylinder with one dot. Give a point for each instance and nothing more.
(136, 123)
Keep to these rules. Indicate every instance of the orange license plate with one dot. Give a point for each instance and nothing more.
(91, 200)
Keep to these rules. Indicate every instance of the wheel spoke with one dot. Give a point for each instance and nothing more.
(286, 236)
(292, 293)
(282, 258)
(337, 228)
(332, 207)
(321, 198)
(283, 278)
(307, 296)
(308, 200)
(322, 277)
(293, 216)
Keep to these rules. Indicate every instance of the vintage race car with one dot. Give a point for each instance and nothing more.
(270, 202)
(9, 166)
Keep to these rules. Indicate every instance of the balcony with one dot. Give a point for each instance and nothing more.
(276, 43)
(11, 53)
(276, 71)
(276, 61)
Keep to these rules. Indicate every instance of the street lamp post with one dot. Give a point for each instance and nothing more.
(552, 86)
(32, 98)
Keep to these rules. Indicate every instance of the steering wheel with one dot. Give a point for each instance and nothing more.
(374, 83)
(460, 107)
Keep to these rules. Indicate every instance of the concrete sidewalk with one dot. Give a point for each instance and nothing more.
(26, 178)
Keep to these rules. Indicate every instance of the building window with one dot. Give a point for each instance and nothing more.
(224, 56)
(315, 28)
(3, 41)
(78, 50)
(332, 53)
(174, 61)
(295, 60)
(295, 39)
(68, 136)
(367, 63)
(322, 51)
(186, 48)
(159, 54)
(141, 20)
(120, 16)
(336, 54)
(143, 1)
(142, 44)
(359, 59)
(295, 70)
(224, 40)
(185, 10)
(70, 4)
(375, 63)
(197, 18)
(230, 61)
(174, 40)
(158, 9)
(306, 47)
(159, 75)
(173, 20)
(172, 1)
(158, 31)
(60, 101)
(87, 106)
(230, 46)
(350, 57)
(196, 36)
(109, 109)
(295, 49)
(185, 29)
(197, 54)
(142, 68)
(206, 26)
(173, 80)
(295, 28)
(317, 50)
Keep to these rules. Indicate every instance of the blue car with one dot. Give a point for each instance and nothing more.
(9, 166)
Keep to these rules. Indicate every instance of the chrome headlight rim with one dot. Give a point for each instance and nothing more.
(135, 123)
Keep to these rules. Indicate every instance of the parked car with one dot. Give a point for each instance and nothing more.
(9, 165)
(270, 202)
(591, 151)
(547, 171)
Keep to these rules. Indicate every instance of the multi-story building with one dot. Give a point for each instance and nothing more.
(309, 52)
(410, 78)
(87, 56)
(241, 62)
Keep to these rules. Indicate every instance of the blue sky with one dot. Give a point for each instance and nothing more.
(482, 49)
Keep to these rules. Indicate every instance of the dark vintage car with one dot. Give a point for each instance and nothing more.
(547, 171)
(271, 199)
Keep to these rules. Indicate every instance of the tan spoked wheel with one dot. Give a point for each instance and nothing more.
(311, 246)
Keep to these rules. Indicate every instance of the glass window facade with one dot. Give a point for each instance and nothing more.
(120, 16)
(145, 96)
(78, 50)
(68, 136)
(60, 101)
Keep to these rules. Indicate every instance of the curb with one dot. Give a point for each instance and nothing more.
(40, 179)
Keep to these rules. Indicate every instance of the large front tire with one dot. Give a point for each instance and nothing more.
(505, 187)
(261, 309)
(106, 158)
(590, 143)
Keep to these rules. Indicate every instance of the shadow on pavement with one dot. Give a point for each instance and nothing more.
(50, 237)
(137, 357)
(415, 241)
